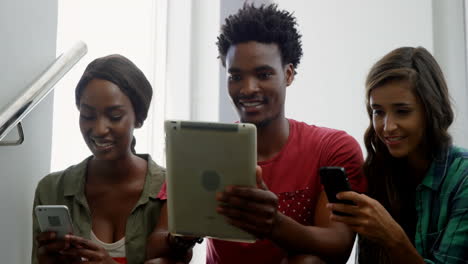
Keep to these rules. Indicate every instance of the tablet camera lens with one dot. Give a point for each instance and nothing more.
(210, 180)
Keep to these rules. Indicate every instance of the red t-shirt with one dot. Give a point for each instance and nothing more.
(293, 176)
(162, 195)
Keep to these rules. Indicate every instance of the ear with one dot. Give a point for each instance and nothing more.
(289, 73)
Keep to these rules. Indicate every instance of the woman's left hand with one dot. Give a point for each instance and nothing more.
(88, 251)
(368, 218)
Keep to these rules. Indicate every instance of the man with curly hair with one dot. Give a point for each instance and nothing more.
(261, 48)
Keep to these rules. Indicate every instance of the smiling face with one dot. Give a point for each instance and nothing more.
(107, 120)
(257, 81)
(398, 119)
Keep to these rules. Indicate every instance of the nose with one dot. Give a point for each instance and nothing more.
(249, 86)
(390, 123)
(101, 127)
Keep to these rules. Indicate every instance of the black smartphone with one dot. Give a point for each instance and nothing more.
(334, 180)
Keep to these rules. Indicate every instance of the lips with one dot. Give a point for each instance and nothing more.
(394, 140)
(251, 105)
(102, 145)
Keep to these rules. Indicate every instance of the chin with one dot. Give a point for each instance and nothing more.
(259, 120)
(106, 157)
(256, 122)
(398, 153)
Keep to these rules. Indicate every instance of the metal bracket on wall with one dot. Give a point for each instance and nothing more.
(20, 140)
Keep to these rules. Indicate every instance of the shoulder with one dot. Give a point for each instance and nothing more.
(460, 155)
(157, 176)
(155, 169)
(458, 161)
(457, 172)
(324, 136)
(54, 184)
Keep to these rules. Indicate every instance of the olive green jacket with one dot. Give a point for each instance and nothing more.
(67, 188)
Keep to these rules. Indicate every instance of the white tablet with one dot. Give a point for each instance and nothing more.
(202, 158)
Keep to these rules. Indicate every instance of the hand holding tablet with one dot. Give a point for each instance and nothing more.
(202, 159)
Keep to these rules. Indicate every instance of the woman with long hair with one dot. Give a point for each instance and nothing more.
(416, 209)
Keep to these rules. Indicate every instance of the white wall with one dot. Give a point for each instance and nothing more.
(27, 46)
(450, 51)
(191, 80)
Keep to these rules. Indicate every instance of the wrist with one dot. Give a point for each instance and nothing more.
(181, 244)
(276, 227)
(397, 240)
(401, 250)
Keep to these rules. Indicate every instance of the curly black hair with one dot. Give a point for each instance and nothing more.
(264, 24)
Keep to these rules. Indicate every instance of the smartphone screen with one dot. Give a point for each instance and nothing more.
(334, 181)
(54, 218)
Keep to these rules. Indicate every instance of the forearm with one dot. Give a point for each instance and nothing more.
(157, 245)
(331, 244)
(403, 251)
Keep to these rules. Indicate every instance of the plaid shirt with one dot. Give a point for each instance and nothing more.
(442, 210)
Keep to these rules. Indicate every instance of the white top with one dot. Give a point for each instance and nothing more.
(115, 250)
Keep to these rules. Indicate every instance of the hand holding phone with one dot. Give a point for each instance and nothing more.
(54, 218)
(334, 180)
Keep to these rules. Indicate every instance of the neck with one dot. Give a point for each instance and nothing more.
(271, 138)
(115, 170)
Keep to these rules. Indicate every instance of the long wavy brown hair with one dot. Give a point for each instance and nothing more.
(388, 178)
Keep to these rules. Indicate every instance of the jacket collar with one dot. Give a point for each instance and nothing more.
(75, 179)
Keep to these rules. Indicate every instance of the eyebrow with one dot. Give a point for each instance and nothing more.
(114, 107)
(110, 108)
(256, 69)
(395, 104)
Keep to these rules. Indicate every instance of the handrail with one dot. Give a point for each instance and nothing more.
(11, 115)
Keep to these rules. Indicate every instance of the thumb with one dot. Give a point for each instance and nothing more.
(260, 183)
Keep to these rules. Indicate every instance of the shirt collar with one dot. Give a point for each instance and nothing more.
(153, 183)
(75, 178)
(438, 169)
